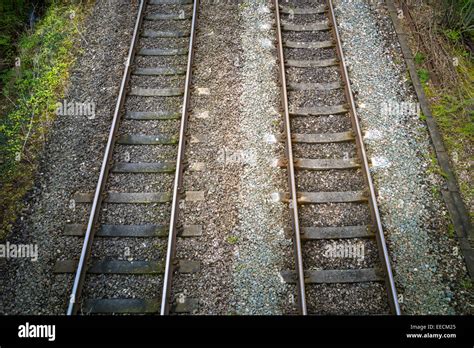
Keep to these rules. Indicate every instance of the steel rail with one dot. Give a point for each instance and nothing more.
(291, 172)
(170, 254)
(104, 171)
(391, 289)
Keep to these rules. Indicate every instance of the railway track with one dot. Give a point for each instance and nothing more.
(134, 209)
(127, 257)
(342, 263)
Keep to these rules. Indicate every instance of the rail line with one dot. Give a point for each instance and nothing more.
(318, 159)
(123, 209)
(328, 169)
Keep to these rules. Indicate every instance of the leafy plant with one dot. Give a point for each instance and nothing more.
(452, 34)
(424, 75)
(232, 240)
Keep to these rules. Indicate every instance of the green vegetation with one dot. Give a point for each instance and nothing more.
(436, 191)
(451, 231)
(466, 283)
(419, 58)
(446, 110)
(424, 76)
(434, 167)
(453, 35)
(458, 19)
(444, 38)
(454, 114)
(28, 99)
(232, 239)
(13, 19)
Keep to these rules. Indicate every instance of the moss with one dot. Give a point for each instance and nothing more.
(32, 89)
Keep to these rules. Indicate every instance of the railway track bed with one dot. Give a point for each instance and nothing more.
(135, 197)
(317, 87)
(211, 176)
(335, 219)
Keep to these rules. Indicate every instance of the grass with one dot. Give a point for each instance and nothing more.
(453, 110)
(452, 99)
(423, 75)
(419, 58)
(458, 18)
(454, 116)
(28, 101)
(453, 35)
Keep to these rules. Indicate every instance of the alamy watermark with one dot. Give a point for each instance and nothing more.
(394, 108)
(227, 156)
(75, 108)
(13, 251)
(37, 331)
(345, 251)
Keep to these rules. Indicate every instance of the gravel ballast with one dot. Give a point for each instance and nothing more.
(429, 270)
(214, 120)
(262, 247)
(243, 247)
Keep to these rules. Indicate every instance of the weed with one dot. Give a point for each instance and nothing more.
(451, 231)
(435, 191)
(466, 283)
(452, 34)
(232, 239)
(423, 75)
(419, 58)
